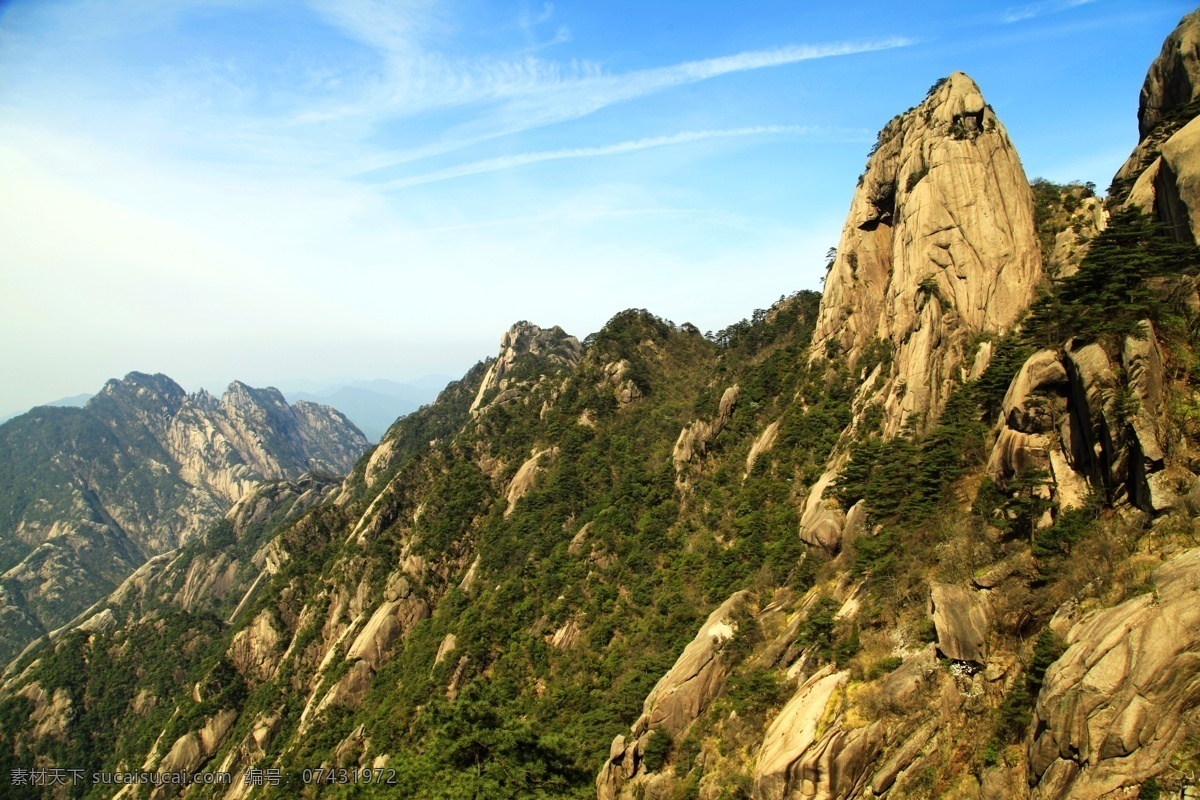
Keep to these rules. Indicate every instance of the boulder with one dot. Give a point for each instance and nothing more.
(805, 754)
(1042, 372)
(960, 617)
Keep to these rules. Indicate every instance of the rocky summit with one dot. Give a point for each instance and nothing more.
(91, 493)
(931, 534)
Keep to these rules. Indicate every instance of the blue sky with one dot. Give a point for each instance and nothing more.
(273, 191)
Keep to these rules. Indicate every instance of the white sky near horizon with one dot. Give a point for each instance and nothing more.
(275, 191)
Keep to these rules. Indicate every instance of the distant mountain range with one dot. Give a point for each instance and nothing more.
(88, 494)
(372, 405)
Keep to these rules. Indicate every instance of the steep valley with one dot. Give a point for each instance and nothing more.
(930, 534)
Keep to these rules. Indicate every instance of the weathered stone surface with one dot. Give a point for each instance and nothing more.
(349, 691)
(1094, 388)
(213, 734)
(698, 675)
(50, 716)
(553, 345)
(1042, 372)
(393, 619)
(904, 756)
(1170, 87)
(762, 444)
(1005, 568)
(679, 697)
(908, 680)
(1015, 452)
(823, 521)
(448, 645)
(617, 376)
(695, 438)
(1173, 79)
(1166, 489)
(939, 245)
(961, 619)
(805, 754)
(1072, 244)
(525, 478)
(1111, 709)
(1177, 183)
(184, 756)
(254, 650)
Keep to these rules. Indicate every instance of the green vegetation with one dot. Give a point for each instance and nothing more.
(1013, 716)
(1116, 275)
(584, 591)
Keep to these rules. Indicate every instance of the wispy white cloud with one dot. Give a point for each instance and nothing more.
(536, 96)
(619, 148)
(1031, 10)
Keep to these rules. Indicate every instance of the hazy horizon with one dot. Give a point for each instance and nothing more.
(268, 191)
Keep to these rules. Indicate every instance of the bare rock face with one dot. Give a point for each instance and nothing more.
(525, 339)
(1071, 244)
(1061, 417)
(677, 700)
(1162, 175)
(823, 521)
(762, 444)
(393, 619)
(254, 650)
(960, 617)
(625, 389)
(525, 478)
(806, 753)
(694, 440)
(939, 245)
(1174, 78)
(1111, 710)
(1177, 182)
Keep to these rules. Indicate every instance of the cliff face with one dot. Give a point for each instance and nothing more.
(1162, 174)
(939, 246)
(91, 493)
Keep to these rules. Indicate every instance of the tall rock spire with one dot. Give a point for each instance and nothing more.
(939, 245)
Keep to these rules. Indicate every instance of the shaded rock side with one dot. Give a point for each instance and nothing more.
(677, 700)
(939, 245)
(1112, 709)
(1087, 420)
